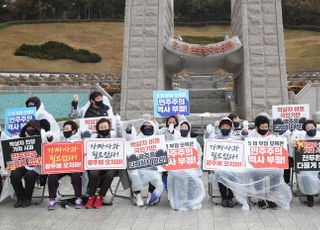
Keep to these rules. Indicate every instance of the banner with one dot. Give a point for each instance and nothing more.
(266, 153)
(307, 155)
(289, 117)
(89, 124)
(223, 154)
(21, 152)
(182, 154)
(105, 154)
(146, 152)
(171, 102)
(16, 118)
(62, 157)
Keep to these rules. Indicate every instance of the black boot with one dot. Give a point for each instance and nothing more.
(310, 201)
(262, 204)
(224, 203)
(230, 203)
(271, 204)
(19, 202)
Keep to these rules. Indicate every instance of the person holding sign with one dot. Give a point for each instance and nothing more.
(259, 176)
(185, 187)
(3, 136)
(142, 176)
(309, 181)
(98, 106)
(225, 133)
(70, 134)
(101, 178)
(237, 129)
(29, 174)
(171, 132)
(47, 121)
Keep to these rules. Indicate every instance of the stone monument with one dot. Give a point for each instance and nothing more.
(259, 78)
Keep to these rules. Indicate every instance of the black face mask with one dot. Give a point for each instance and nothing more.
(225, 132)
(32, 132)
(184, 133)
(236, 124)
(104, 133)
(67, 134)
(311, 132)
(99, 103)
(262, 131)
(147, 131)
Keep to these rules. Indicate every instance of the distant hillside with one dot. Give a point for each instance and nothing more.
(106, 39)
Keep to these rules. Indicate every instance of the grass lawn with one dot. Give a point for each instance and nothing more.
(106, 39)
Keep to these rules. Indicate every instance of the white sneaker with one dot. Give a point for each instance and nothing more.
(139, 201)
(105, 200)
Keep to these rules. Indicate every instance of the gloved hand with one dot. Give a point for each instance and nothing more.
(209, 128)
(118, 118)
(216, 124)
(133, 131)
(245, 130)
(49, 136)
(245, 125)
(74, 102)
(171, 128)
(129, 129)
(286, 133)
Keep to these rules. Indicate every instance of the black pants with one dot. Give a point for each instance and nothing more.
(53, 183)
(102, 179)
(287, 172)
(226, 193)
(29, 176)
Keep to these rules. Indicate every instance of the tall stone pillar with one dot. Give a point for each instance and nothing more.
(263, 81)
(148, 23)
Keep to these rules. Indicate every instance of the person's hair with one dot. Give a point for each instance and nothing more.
(261, 120)
(187, 123)
(35, 100)
(45, 124)
(94, 94)
(103, 120)
(172, 117)
(74, 125)
(308, 122)
(225, 120)
(35, 124)
(232, 116)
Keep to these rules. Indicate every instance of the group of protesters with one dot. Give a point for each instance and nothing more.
(185, 187)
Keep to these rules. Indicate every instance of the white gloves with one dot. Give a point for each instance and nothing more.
(286, 133)
(209, 128)
(171, 128)
(133, 131)
(117, 118)
(245, 125)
